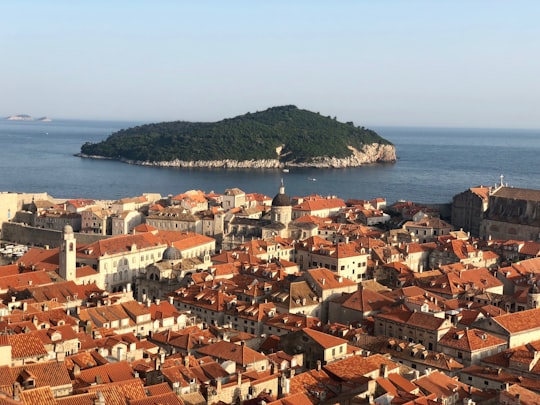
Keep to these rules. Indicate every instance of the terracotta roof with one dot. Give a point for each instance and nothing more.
(169, 398)
(111, 372)
(46, 374)
(41, 258)
(419, 319)
(502, 376)
(41, 396)
(110, 396)
(85, 271)
(515, 193)
(442, 385)
(240, 354)
(482, 192)
(299, 398)
(313, 383)
(158, 389)
(84, 359)
(24, 280)
(323, 339)
(470, 340)
(515, 391)
(131, 389)
(26, 345)
(520, 321)
(120, 244)
(321, 203)
(530, 249)
(523, 357)
(356, 367)
(144, 228)
(328, 280)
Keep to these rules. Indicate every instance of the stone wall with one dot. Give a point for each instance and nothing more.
(27, 235)
(492, 229)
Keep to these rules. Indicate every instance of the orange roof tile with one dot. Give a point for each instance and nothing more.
(323, 339)
(470, 340)
(240, 354)
(520, 321)
(356, 367)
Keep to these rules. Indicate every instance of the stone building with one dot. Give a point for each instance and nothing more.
(280, 215)
(316, 346)
(468, 209)
(513, 213)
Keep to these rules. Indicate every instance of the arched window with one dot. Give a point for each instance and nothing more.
(71, 247)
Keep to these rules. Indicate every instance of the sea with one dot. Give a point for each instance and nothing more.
(433, 165)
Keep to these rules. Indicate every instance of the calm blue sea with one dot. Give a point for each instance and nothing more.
(433, 165)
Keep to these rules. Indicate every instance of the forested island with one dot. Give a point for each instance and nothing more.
(276, 137)
(26, 117)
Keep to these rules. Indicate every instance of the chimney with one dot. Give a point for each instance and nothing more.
(171, 300)
(158, 301)
(16, 391)
(218, 385)
(383, 370)
(239, 378)
(100, 399)
(318, 365)
(76, 370)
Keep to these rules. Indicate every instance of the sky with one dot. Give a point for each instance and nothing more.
(459, 63)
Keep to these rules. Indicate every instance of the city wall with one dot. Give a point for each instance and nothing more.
(27, 235)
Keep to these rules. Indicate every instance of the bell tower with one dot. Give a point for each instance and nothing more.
(67, 254)
(281, 210)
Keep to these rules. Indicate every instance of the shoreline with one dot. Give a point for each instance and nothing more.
(370, 154)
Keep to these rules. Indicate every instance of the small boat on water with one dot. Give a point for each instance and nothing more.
(312, 179)
(285, 170)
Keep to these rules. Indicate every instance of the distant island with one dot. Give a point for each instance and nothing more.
(283, 136)
(26, 117)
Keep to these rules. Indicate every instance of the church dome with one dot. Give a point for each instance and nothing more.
(68, 229)
(281, 199)
(172, 253)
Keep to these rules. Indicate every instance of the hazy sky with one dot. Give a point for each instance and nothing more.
(436, 63)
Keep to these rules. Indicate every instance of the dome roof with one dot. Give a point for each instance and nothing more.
(172, 253)
(68, 229)
(281, 199)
